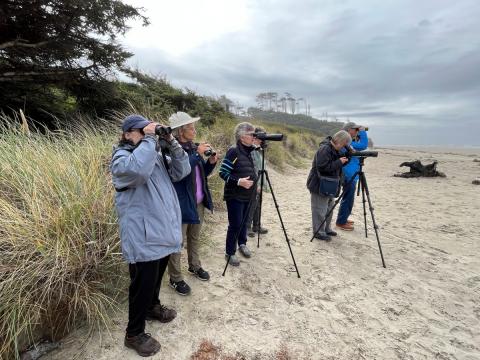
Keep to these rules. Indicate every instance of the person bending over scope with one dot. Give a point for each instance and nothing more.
(324, 182)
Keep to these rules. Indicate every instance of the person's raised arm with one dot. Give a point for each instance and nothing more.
(132, 169)
(179, 165)
(362, 142)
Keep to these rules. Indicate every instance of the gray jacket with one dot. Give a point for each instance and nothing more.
(148, 210)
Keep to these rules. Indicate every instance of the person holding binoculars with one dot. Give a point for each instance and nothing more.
(150, 220)
(194, 197)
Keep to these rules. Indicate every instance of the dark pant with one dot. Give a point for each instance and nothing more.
(144, 291)
(254, 214)
(237, 210)
(346, 205)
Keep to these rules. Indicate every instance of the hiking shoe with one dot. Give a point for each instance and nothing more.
(144, 344)
(199, 273)
(345, 227)
(262, 230)
(233, 260)
(245, 251)
(181, 287)
(326, 238)
(161, 313)
(332, 233)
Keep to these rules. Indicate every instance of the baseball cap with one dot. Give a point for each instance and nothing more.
(351, 125)
(134, 122)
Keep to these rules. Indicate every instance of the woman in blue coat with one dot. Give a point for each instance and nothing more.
(150, 221)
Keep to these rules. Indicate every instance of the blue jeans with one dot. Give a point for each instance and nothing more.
(346, 205)
(237, 210)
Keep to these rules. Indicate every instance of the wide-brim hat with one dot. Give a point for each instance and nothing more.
(180, 119)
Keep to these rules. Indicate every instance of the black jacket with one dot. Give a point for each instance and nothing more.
(325, 163)
(238, 163)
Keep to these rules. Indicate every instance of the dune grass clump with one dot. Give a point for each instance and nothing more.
(59, 248)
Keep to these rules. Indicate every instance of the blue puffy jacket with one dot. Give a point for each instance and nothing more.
(147, 205)
(186, 188)
(353, 165)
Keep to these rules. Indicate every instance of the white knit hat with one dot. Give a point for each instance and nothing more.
(181, 118)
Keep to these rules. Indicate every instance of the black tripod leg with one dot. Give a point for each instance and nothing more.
(364, 201)
(260, 202)
(244, 219)
(375, 227)
(281, 222)
(226, 265)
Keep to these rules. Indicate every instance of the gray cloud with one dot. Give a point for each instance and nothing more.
(408, 67)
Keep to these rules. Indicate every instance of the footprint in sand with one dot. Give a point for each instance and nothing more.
(473, 281)
(437, 324)
(462, 345)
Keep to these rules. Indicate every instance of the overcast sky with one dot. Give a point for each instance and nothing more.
(409, 69)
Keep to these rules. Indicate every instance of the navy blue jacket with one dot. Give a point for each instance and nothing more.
(187, 187)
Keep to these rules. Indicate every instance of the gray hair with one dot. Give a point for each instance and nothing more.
(176, 131)
(342, 136)
(242, 129)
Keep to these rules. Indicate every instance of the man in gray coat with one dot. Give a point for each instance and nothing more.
(150, 221)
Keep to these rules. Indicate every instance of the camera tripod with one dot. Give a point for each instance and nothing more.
(262, 176)
(363, 187)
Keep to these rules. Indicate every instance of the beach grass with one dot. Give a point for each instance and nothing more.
(60, 256)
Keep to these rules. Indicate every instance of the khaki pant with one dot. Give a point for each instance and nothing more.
(191, 236)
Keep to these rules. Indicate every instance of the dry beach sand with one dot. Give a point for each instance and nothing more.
(424, 305)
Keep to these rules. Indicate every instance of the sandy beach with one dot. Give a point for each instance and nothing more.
(424, 305)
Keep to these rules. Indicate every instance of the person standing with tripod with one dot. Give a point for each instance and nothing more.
(359, 143)
(253, 224)
(238, 172)
(323, 182)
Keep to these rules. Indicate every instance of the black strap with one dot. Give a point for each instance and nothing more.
(122, 189)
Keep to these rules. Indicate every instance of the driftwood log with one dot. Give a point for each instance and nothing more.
(417, 169)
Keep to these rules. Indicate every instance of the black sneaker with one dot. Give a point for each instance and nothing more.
(262, 230)
(181, 287)
(326, 238)
(332, 233)
(199, 273)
